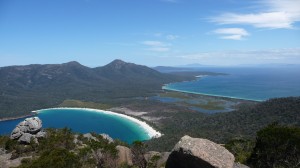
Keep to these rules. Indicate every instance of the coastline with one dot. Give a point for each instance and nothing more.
(165, 87)
(152, 133)
(19, 117)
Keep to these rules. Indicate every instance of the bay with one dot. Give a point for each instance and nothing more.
(85, 121)
(257, 84)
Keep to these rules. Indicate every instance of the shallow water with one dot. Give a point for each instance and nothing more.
(84, 121)
(245, 83)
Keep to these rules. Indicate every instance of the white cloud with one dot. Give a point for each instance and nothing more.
(158, 34)
(159, 49)
(166, 36)
(278, 14)
(156, 46)
(288, 55)
(172, 37)
(231, 33)
(155, 43)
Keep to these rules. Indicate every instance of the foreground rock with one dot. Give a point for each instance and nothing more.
(238, 165)
(107, 137)
(27, 130)
(7, 162)
(124, 156)
(156, 159)
(199, 153)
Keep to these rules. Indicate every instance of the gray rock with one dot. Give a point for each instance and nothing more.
(198, 153)
(163, 159)
(34, 124)
(157, 159)
(124, 155)
(27, 129)
(89, 136)
(238, 165)
(16, 133)
(23, 128)
(7, 162)
(41, 134)
(25, 138)
(107, 137)
(76, 139)
(151, 154)
(2, 151)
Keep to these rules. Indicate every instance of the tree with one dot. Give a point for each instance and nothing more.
(240, 148)
(56, 158)
(138, 150)
(277, 146)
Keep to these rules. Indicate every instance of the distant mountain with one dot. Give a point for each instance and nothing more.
(196, 66)
(271, 65)
(168, 69)
(180, 71)
(120, 71)
(30, 87)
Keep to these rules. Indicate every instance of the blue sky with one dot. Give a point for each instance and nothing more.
(150, 32)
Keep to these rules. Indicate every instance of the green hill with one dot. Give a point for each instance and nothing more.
(31, 87)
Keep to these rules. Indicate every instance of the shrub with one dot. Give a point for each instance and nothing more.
(241, 149)
(277, 146)
(59, 158)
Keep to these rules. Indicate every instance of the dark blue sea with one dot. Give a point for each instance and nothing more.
(257, 83)
(85, 121)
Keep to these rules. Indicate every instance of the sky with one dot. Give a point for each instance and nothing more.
(150, 32)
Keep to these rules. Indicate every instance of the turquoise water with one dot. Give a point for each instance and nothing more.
(84, 121)
(245, 83)
(7, 126)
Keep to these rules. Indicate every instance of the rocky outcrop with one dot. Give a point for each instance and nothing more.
(107, 137)
(156, 159)
(89, 136)
(2, 151)
(238, 165)
(7, 162)
(199, 153)
(124, 155)
(28, 129)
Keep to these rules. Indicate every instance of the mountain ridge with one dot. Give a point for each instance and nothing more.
(35, 86)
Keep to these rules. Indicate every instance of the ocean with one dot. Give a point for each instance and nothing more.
(84, 121)
(257, 83)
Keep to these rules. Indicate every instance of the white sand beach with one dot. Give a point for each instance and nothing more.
(152, 133)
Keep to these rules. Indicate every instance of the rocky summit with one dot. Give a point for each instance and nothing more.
(199, 153)
(28, 129)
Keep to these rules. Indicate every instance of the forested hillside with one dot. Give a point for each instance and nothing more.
(31, 87)
(222, 127)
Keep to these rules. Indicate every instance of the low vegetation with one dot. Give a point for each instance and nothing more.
(223, 127)
(27, 88)
(276, 146)
(63, 148)
(84, 104)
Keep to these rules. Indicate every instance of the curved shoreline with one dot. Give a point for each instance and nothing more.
(165, 87)
(152, 133)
